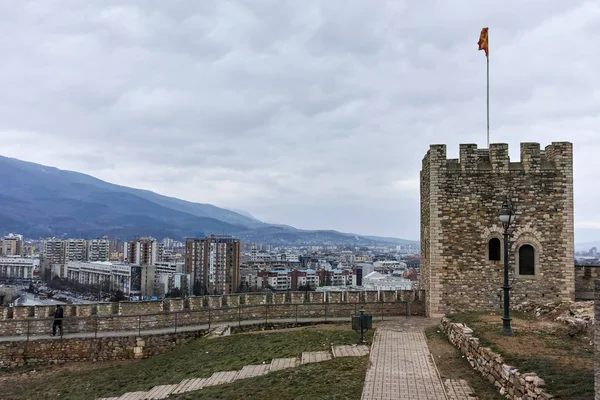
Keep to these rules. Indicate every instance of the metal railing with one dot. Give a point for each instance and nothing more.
(190, 320)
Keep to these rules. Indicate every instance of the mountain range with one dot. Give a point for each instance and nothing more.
(40, 201)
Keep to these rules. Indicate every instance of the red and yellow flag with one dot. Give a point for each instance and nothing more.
(483, 41)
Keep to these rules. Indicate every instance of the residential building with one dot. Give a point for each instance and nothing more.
(10, 245)
(53, 249)
(141, 251)
(175, 281)
(98, 250)
(76, 250)
(214, 263)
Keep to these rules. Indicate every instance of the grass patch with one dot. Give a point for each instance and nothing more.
(199, 359)
(452, 365)
(342, 378)
(565, 363)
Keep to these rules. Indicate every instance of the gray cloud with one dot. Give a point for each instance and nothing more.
(315, 114)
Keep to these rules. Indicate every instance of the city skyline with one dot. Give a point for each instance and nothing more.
(320, 122)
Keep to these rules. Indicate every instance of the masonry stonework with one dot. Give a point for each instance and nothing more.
(171, 313)
(460, 200)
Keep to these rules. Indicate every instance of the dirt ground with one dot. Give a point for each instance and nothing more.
(452, 365)
(560, 356)
(550, 340)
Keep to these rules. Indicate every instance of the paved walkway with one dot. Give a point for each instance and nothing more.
(249, 371)
(189, 328)
(402, 367)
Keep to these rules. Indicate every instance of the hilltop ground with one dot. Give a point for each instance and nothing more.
(555, 341)
(202, 358)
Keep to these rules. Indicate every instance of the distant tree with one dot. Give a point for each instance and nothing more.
(199, 289)
(118, 296)
(174, 293)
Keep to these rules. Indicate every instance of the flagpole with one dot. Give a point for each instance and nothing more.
(488, 101)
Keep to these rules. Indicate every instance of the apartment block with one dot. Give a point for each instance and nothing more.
(11, 245)
(141, 251)
(214, 263)
(76, 250)
(98, 250)
(53, 249)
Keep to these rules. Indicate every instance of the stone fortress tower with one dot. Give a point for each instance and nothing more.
(461, 236)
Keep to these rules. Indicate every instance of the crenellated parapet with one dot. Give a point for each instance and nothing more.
(496, 159)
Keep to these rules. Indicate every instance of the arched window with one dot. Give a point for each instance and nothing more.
(494, 249)
(526, 260)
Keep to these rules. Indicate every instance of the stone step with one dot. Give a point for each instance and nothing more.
(278, 364)
(133, 396)
(315, 356)
(250, 371)
(159, 392)
(221, 377)
(350, 351)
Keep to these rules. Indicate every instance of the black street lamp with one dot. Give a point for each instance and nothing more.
(507, 217)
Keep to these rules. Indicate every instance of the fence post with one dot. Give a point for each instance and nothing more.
(408, 307)
(296, 314)
(266, 315)
(355, 311)
(382, 310)
(95, 327)
(239, 315)
(325, 312)
(28, 325)
(176, 321)
(139, 325)
(209, 319)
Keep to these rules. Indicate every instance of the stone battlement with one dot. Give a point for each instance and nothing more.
(496, 159)
(462, 254)
(104, 317)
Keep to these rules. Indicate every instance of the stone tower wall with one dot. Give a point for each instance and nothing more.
(460, 200)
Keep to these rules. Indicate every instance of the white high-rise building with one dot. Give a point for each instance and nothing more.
(53, 249)
(98, 250)
(142, 251)
(76, 250)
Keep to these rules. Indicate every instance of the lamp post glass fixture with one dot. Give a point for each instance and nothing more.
(507, 217)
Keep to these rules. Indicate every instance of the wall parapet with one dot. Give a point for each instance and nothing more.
(507, 379)
(132, 316)
(496, 159)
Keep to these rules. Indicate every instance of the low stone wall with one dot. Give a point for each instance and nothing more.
(507, 379)
(53, 351)
(585, 276)
(146, 315)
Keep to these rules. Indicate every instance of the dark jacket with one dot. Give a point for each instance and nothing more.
(58, 314)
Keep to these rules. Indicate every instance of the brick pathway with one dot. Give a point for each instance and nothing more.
(249, 371)
(459, 390)
(402, 368)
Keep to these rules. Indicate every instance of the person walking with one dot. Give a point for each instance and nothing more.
(58, 317)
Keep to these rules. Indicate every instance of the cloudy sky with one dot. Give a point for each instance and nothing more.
(311, 113)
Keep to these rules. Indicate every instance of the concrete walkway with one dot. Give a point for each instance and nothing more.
(402, 367)
(188, 328)
(249, 371)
